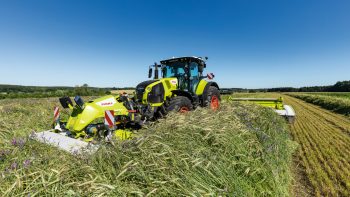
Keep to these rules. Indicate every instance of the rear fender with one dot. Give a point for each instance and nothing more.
(201, 86)
(206, 90)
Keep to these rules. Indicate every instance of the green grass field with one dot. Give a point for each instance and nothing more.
(337, 102)
(332, 94)
(239, 150)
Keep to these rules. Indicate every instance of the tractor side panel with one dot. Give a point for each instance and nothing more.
(170, 84)
(156, 93)
(148, 91)
(201, 86)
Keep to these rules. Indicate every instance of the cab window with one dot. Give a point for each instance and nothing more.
(194, 70)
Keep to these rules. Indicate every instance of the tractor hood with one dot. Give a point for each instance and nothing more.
(140, 88)
(80, 118)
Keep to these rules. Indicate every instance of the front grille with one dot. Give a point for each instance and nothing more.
(157, 94)
(140, 89)
(139, 93)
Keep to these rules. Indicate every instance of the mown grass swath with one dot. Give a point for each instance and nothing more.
(337, 102)
(238, 150)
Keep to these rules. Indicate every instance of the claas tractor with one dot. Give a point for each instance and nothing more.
(181, 88)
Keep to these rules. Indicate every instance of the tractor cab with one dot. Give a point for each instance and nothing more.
(187, 70)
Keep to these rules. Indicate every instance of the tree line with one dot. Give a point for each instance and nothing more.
(340, 86)
(16, 91)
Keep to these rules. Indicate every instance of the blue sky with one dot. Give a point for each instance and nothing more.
(250, 44)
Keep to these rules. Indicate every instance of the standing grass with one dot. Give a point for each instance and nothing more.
(333, 94)
(330, 101)
(239, 150)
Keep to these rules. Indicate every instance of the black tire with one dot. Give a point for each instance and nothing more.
(212, 92)
(179, 103)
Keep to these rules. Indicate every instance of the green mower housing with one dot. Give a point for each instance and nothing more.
(86, 119)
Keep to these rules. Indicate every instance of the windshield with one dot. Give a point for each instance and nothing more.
(175, 69)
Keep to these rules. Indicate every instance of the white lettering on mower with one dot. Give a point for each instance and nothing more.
(107, 102)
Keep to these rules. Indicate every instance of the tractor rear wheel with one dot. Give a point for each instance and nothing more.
(180, 104)
(213, 99)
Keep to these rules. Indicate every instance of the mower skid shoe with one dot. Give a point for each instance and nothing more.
(287, 112)
(63, 142)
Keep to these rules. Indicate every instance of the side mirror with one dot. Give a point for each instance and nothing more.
(210, 76)
(150, 72)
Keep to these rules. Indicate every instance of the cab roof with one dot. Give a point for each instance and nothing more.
(198, 60)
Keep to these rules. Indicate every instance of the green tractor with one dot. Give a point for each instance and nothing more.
(182, 87)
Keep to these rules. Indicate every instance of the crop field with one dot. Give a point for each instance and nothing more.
(337, 102)
(322, 166)
(239, 150)
(333, 94)
(130, 92)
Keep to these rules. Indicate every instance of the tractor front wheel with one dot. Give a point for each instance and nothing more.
(180, 104)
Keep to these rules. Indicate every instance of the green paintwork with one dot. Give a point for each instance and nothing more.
(169, 85)
(79, 118)
(201, 86)
(266, 102)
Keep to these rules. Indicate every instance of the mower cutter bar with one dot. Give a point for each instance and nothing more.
(254, 99)
(63, 142)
